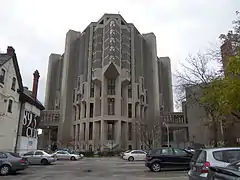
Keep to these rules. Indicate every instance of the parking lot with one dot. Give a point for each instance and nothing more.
(95, 168)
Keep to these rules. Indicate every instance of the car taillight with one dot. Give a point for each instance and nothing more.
(205, 167)
(22, 161)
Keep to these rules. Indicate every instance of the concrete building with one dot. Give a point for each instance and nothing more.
(107, 77)
(19, 107)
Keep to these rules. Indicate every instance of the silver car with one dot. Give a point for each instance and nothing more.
(64, 155)
(204, 158)
(39, 157)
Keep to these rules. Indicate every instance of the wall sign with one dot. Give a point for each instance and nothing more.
(30, 124)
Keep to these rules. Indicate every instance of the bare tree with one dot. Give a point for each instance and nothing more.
(195, 75)
(149, 130)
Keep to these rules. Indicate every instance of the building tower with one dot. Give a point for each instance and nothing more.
(108, 76)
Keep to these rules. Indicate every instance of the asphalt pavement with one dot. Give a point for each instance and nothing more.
(95, 168)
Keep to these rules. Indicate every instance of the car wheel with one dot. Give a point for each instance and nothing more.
(131, 158)
(73, 158)
(156, 167)
(4, 170)
(44, 161)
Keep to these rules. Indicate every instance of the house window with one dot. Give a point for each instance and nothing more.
(10, 102)
(79, 112)
(91, 110)
(111, 87)
(129, 131)
(92, 90)
(13, 83)
(130, 110)
(2, 76)
(90, 130)
(83, 89)
(111, 106)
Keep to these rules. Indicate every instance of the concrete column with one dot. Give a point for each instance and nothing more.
(118, 133)
(103, 134)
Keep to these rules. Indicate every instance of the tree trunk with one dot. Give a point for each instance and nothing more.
(215, 131)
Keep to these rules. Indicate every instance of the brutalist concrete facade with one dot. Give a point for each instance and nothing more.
(106, 78)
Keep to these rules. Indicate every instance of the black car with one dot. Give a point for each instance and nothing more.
(231, 172)
(162, 158)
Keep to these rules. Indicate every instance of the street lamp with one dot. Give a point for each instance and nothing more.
(165, 124)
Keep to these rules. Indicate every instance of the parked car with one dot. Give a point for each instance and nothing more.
(232, 171)
(39, 157)
(71, 151)
(204, 158)
(122, 153)
(65, 155)
(11, 162)
(132, 155)
(162, 158)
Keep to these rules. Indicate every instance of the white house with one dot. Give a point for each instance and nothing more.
(19, 107)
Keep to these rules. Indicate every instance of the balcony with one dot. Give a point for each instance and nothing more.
(49, 118)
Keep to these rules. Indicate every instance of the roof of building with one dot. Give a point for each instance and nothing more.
(4, 58)
(25, 95)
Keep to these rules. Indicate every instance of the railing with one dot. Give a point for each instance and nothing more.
(174, 118)
(49, 118)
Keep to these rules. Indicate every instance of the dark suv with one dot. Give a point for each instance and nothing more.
(158, 159)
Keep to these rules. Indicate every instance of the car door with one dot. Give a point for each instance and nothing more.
(65, 155)
(29, 157)
(166, 157)
(3, 158)
(142, 155)
(134, 154)
(182, 158)
(38, 157)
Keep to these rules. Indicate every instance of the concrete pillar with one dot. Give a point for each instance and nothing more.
(103, 134)
(118, 133)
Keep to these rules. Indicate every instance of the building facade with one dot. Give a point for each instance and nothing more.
(19, 107)
(107, 77)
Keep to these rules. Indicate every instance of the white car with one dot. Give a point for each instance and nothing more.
(204, 158)
(64, 155)
(138, 155)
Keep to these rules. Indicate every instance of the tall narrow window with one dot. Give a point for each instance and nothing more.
(129, 91)
(92, 90)
(91, 110)
(84, 131)
(138, 94)
(2, 76)
(75, 113)
(111, 87)
(13, 84)
(79, 111)
(129, 131)
(78, 132)
(100, 91)
(74, 95)
(85, 111)
(130, 110)
(10, 102)
(74, 131)
(111, 106)
(110, 131)
(90, 130)
(83, 89)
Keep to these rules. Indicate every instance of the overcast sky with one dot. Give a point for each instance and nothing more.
(182, 27)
